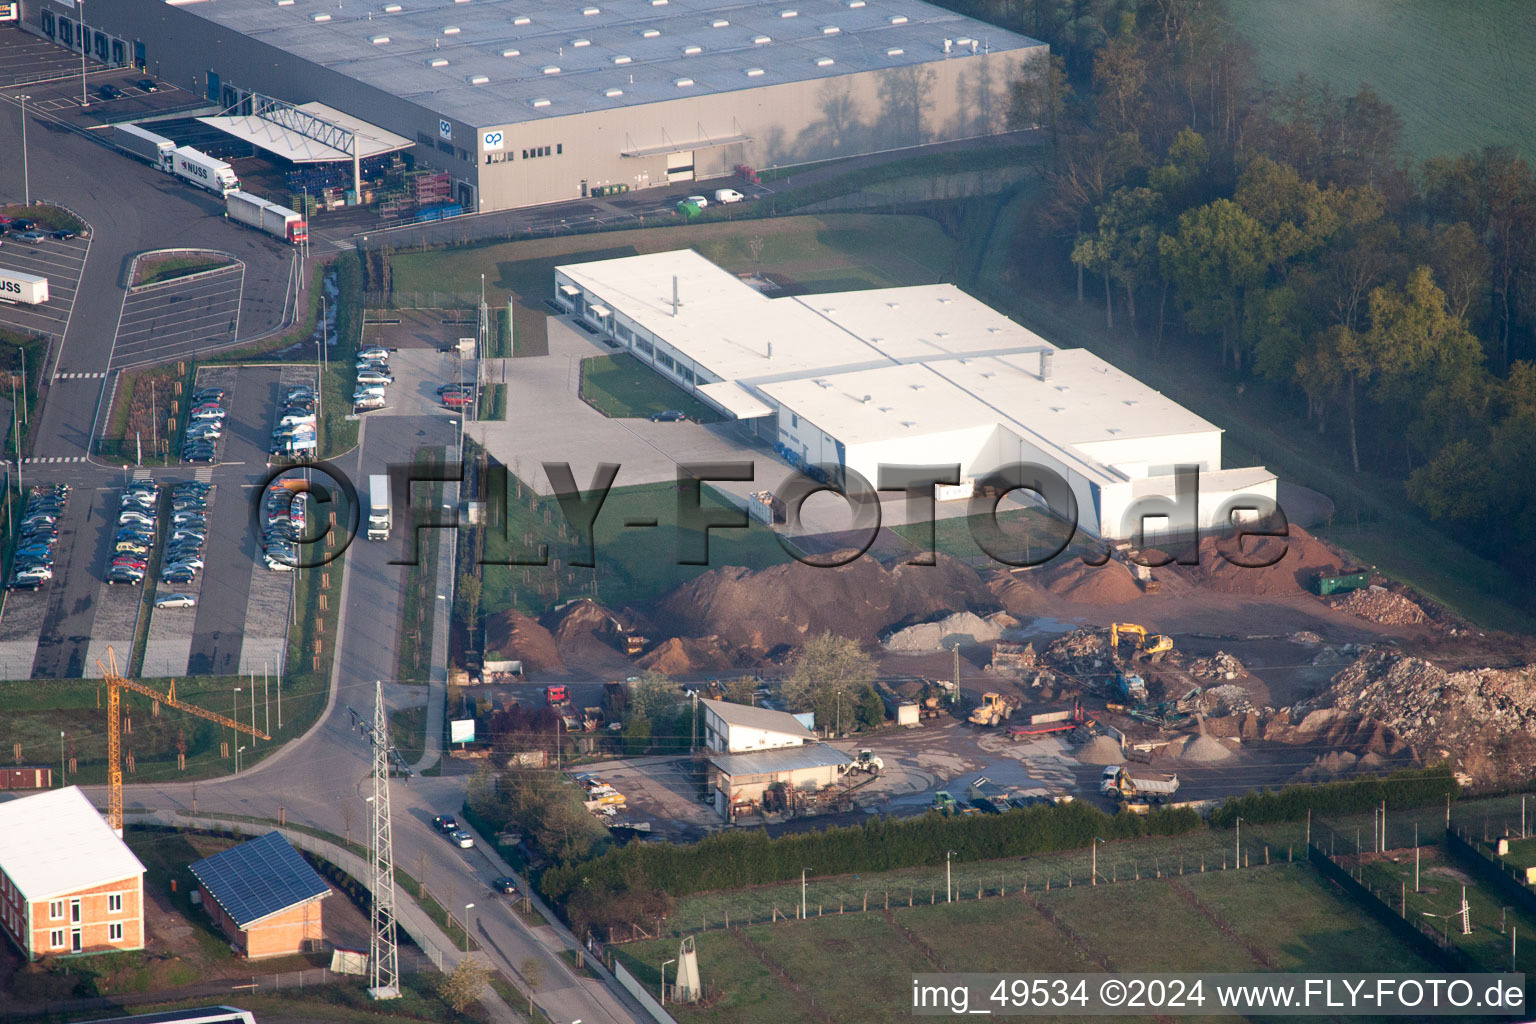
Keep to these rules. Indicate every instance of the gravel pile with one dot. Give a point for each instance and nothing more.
(930, 636)
(1100, 750)
(1206, 750)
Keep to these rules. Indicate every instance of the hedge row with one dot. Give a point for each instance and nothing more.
(729, 860)
(1409, 788)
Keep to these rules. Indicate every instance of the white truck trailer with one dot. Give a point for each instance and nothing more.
(158, 150)
(26, 288)
(277, 221)
(379, 521)
(1138, 785)
(204, 171)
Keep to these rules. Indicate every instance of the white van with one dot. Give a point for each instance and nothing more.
(728, 195)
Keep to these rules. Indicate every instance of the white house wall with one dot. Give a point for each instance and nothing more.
(1157, 456)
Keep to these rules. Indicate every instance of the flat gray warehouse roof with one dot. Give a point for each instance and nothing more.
(496, 62)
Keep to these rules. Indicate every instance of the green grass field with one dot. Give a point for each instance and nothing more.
(620, 386)
(858, 966)
(1460, 75)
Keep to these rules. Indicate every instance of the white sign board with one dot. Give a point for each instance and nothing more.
(493, 141)
(461, 731)
(445, 128)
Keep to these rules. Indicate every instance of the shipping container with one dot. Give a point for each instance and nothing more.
(158, 150)
(18, 287)
(26, 777)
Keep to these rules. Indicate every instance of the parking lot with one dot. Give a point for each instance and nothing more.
(118, 606)
(61, 263)
(50, 75)
(168, 644)
(179, 318)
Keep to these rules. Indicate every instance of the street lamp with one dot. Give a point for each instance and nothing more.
(62, 774)
(949, 891)
(664, 980)
(238, 751)
(467, 908)
(26, 176)
(1094, 846)
(235, 714)
(803, 872)
(85, 100)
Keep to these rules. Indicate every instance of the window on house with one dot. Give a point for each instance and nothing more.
(56, 939)
(56, 910)
(115, 932)
(74, 911)
(794, 420)
(115, 903)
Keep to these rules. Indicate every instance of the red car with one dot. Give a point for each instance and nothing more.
(130, 563)
(456, 399)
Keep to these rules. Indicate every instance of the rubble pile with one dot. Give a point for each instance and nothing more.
(1381, 606)
(1220, 665)
(682, 655)
(961, 626)
(1305, 637)
(1483, 719)
(1227, 699)
(1082, 650)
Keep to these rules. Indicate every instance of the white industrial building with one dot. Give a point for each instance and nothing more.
(739, 728)
(755, 750)
(923, 375)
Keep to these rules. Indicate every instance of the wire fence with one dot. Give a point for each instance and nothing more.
(218, 989)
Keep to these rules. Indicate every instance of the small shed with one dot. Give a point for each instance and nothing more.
(264, 896)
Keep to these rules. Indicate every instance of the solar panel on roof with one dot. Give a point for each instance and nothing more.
(259, 878)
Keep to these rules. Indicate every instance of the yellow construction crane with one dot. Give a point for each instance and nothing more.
(115, 685)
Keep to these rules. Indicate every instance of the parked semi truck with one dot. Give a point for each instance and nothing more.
(158, 150)
(379, 520)
(1138, 785)
(18, 287)
(204, 171)
(1040, 721)
(277, 221)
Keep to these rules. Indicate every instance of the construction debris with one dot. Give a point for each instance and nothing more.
(1227, 699)
(1382, 606)
(1080, 651)
(1220, 665)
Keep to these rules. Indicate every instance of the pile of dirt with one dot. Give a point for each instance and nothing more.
(1483, 719)
(1206, 750)
(582, 622)
(1110, 583)
(785, 605)
(1020, 595)
(935, 636)
(681, 655)
(1100, 750)
(1300, 556)
(513, 636)
(1220, 665)
(1381, 606)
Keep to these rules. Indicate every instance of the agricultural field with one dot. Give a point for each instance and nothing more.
(1460, 75)
(858, 966)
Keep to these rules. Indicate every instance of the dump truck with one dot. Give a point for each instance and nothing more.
(557, 696)
(1041, 721)
(865, 762)
(634, 644)
(263, 215)
(1138, 785)
(379, 520)
(994, 707)
(24, 288)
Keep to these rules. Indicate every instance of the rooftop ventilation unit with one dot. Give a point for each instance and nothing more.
(388, 8)
(588, 12)
(692, 50)
(540, 102)
(830, 30)
(895, 51)
(866, 399)
(550, 69)
(649, 33)
(754, 72)
(378, 40)
(789, 14)
(683, 83)
(283, 3)
(622, 59)
(319, 17)
(824, 62)
(1046, 358)
(451, 30)
(658, 3)
(579, 43)
(855, 4)
(761, 40)
(719, 23)
(511, 53)
(612, 93)
(436, 62)
(521, 19)
(477, 79)
(898, 19)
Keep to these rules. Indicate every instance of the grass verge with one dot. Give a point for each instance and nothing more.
(18, 349)
(620, 386)
(414, 650)
(408, 733)
(154, 269)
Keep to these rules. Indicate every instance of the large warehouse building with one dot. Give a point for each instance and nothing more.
(915, 376)
(537, 101)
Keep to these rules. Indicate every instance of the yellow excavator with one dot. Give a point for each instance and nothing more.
(1151, 646)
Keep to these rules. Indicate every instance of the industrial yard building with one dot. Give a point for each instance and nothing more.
(758, 749)
(914, 376)
(264, 897)
(68, 884)
(536, 101)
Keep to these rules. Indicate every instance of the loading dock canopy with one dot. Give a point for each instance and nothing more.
(283, 141)
(598, 309)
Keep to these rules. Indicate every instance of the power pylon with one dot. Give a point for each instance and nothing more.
(383, 951)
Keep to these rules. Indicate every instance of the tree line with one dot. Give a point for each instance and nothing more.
(1279, 234)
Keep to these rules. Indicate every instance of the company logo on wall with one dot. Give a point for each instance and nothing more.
(445, 129)
(493, 140)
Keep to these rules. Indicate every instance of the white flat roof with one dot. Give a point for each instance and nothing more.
(55, 843)
(924, 321)
(902, 401)
(301, 149)
(736, 400)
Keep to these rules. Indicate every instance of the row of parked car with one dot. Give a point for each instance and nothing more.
(33, 564)
(294, 433)
(284, 513)
(189, 536)
(205, 425)
(138, 513)
(26, 229)
(373, 377)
